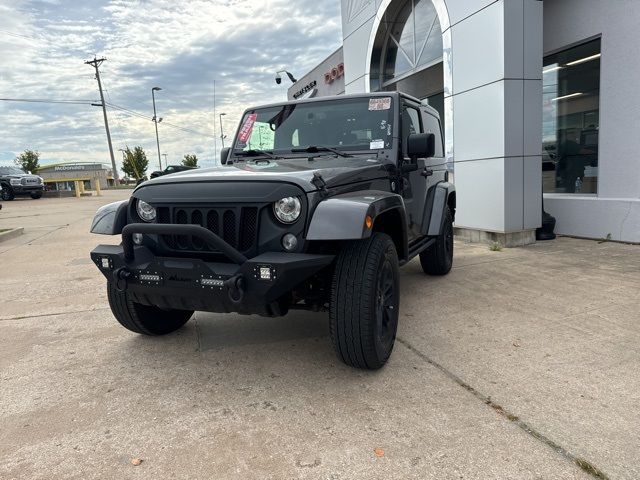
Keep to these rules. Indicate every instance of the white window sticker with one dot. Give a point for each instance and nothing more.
(376, 145)
(380, 103)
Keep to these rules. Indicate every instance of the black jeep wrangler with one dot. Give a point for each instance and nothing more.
(15, 182)
(316, 205)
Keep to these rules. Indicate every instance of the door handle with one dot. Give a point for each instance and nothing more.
(426, 172)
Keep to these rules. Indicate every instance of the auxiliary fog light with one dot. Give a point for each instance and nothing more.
(265, 273)
(289, 242)
(105, 262)
(137, 238)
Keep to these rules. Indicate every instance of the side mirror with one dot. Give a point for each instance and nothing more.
(224, 155)
(421, 145)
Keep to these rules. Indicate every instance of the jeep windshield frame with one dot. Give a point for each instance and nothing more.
(352, 125)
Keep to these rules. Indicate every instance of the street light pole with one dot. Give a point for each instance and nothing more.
(221, 130)
(156, 121)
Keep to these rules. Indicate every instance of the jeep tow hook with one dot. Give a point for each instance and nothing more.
(121, 275)
(235, 288)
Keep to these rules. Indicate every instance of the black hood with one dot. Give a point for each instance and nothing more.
(334, 171)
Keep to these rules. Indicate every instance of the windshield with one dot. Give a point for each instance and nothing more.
(10, 171)
(342, 124)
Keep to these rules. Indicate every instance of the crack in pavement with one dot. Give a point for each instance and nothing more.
(33, 239)
(55, 314)
(583, 464)
(195, 323)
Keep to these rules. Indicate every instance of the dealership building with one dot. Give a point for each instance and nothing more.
(535, 96)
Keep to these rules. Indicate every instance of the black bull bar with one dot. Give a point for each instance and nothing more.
(252, 286)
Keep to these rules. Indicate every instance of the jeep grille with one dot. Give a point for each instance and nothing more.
(238, 226)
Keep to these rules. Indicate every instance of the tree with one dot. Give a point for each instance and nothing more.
(135, 162)
(28, 161)
(190, 161)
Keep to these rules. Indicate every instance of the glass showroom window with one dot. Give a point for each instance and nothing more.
(409, 40)
(570, 120)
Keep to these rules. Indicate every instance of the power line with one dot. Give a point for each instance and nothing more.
(146, 117)
(18, 35)
(46, 100)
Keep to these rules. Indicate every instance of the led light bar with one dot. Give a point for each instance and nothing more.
(212, 282)
(150, 278)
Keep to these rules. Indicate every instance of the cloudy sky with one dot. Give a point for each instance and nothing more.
(180, 46)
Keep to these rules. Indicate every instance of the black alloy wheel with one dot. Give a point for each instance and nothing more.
(438, 258)
(386, 306)
(7, 194)
(365, 302)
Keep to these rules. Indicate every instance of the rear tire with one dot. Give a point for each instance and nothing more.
(438, 258)
(7, 194)
(36, 196)
(364, 306)
(144, 319)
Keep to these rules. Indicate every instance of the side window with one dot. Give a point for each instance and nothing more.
(432, 125)
(410, 124)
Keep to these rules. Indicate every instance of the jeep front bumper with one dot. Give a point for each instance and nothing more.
(248, 286)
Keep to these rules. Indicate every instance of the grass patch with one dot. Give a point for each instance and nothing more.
(495, 247)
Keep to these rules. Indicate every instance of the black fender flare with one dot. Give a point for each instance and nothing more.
(343, 217)
(110, 219)
(436, 204)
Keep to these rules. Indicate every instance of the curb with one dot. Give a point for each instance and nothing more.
(9, 234)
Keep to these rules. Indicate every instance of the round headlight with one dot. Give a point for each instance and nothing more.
(146, 211)
(287, 209)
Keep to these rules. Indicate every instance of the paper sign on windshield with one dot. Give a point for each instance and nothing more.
(382, 103)
(247, 128)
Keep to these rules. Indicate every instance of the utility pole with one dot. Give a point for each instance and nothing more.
(156, 120)
(95, 63)
(165, 159)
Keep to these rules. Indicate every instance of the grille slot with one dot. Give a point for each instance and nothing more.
(182, 219)
(229, 228)
(248, 228)
(196, 219)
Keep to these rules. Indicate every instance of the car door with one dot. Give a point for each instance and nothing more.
(414, 187)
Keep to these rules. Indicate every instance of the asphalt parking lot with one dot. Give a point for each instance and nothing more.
(521, 364)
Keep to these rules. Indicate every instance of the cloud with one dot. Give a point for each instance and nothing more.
(182, 47)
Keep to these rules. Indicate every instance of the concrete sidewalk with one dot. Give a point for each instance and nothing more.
(520, 364)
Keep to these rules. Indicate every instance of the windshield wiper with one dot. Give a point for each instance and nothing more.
(320, 148)
(255, 153)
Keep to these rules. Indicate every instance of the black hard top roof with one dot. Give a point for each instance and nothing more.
(396, 95)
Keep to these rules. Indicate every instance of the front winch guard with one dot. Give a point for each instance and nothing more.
(251, 286)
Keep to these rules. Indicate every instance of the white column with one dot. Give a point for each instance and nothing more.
(497, 118)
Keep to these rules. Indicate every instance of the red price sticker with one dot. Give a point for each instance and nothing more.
(247, 128)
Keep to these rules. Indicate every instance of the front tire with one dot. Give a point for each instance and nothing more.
(438, 258)
(7, 194)
(365, 301)
(144, 319)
